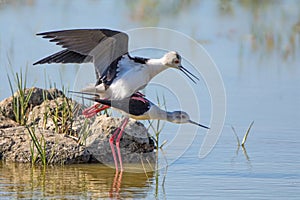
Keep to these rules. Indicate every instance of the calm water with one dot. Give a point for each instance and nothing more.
(256, 49)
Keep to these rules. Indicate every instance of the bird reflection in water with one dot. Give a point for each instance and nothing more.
(115, 187)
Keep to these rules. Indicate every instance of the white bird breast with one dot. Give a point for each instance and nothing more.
(131, 77)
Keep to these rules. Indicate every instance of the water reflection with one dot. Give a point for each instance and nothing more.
(5, 3)
(263, 35)
(149, 12)
(266, 36)
(241, 146)
(238, 34)
(96, 181)
(115, 188)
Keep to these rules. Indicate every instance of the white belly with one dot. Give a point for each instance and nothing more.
(129, 82)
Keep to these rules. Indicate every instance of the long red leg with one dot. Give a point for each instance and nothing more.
(87, 110)
(142, 99)
(93, 110)
(111, 143)
(124, 123)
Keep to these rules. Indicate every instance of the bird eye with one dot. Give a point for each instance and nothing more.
(176, 61)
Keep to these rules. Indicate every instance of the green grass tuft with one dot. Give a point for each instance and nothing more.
(39, 145)
(158, 125)
(20, 99)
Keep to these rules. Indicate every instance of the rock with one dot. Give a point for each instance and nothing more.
(37, 97)
(16, 145)
(6, 108)
(135, 145)
(6, 122)
(50, 112)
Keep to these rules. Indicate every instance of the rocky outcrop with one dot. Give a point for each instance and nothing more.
(5, 122)
(37, 96)
(75, 140)
(16, 145)
(135, 145)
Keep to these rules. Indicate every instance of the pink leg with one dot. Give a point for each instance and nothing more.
(111, 143)
(139, 94)
(124, 123)
(93, 110)
(142, 99)
(89, 112)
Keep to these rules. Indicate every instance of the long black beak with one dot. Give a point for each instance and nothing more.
(192, 122)
(188, 74)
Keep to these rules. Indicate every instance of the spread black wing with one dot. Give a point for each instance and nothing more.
(100, 46)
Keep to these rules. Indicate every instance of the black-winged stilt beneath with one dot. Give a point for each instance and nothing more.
(119, 75)
(139, 109)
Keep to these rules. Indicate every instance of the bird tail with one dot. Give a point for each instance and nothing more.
(94, 97)
(92, 89)
(85, 93)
